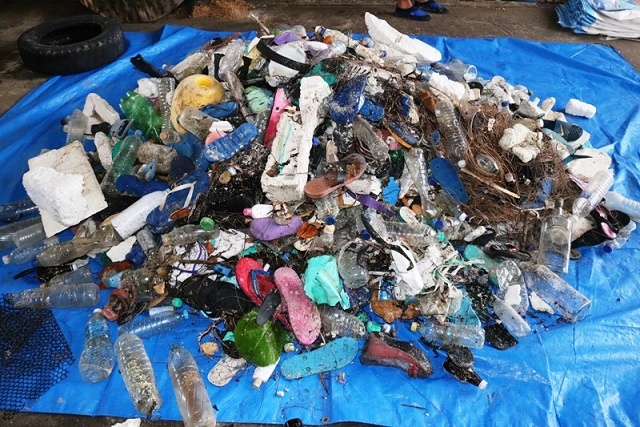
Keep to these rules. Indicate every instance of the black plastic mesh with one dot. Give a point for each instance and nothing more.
(34, 356)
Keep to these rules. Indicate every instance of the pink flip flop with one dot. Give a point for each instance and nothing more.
(303, 314)
(336, 175)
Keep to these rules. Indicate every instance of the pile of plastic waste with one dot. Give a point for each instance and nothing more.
(311, 193)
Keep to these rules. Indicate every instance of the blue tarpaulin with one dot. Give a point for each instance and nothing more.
(565, 374)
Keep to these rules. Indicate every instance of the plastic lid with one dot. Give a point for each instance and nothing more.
(207, 223)
(176, 302)
(364, 235)
(246, 212)
(5, 259)
(330, 220)
(439, 224)
(608, 248)
(98, 310)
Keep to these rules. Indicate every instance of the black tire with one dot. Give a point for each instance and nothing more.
(71, 45)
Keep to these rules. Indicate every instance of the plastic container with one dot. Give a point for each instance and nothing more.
(259, 211)
(29, 235)
(146, 326)
(72, 296)
(137, 374)
(188, 234)
(594, 192)
(196, 122)
(158, 153)
(142, 114)
(28, 253)
(13, 211)
(196, 91)
(560, 295)
(621, 238)
(555, 240)
(441, 334)
(192, 397)
(97, 358)
(515, 324)
(415, 234)
(618, 202)
(454, 141)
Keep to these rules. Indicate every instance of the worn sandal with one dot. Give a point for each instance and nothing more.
(335, 175)
(431, 6)
(414, 13)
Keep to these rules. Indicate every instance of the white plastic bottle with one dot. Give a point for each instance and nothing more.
(97, 358)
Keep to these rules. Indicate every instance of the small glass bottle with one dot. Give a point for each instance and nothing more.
(555, 240)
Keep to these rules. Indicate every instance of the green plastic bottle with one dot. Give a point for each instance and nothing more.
(123, 162)
(142, 113)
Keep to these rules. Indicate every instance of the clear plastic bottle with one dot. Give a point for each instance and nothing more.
(166, 87)
(560, 295)
(441, 334)
(335, 49)
(419, 171)
(97, 358)
(76, 126)
(196, 121)
(454, 141)
(187, 234)
(618, 202)
(555, 240)
(158, 153)
(123, 162)
(415, 234)
(193, 400)
(339, 323)
(104, 237)
(74, 277)
(620, 239)
(327, 208)
(517, 326)
(511, 286)
(457, 70)
(364, 132)
(137, 373)
(594, 192)
(146, 326)
(352, 273)
(28, 253)
(72, 296)
(13, 211)
(6, 231)
(142, 113)
(29, 235)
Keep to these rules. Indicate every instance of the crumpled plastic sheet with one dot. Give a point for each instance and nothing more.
(569, 374)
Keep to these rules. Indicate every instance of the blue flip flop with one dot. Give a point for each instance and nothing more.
(431, 6)
(414, 13)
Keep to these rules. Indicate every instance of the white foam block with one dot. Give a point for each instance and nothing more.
(68, 160)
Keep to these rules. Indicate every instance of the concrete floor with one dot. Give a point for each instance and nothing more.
(466, 19)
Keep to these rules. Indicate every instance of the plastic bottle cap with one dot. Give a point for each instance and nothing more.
(176, 302)
(439, 224)
(608, 249)
(364, 235)
(330, 220)
(97, 310)
(207, 223)
(246, 212)
(483, 385)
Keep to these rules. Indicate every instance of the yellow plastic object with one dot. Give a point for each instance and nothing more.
(196, 91)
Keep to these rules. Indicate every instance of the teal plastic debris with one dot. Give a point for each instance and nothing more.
(322, 282)
(333, 355)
